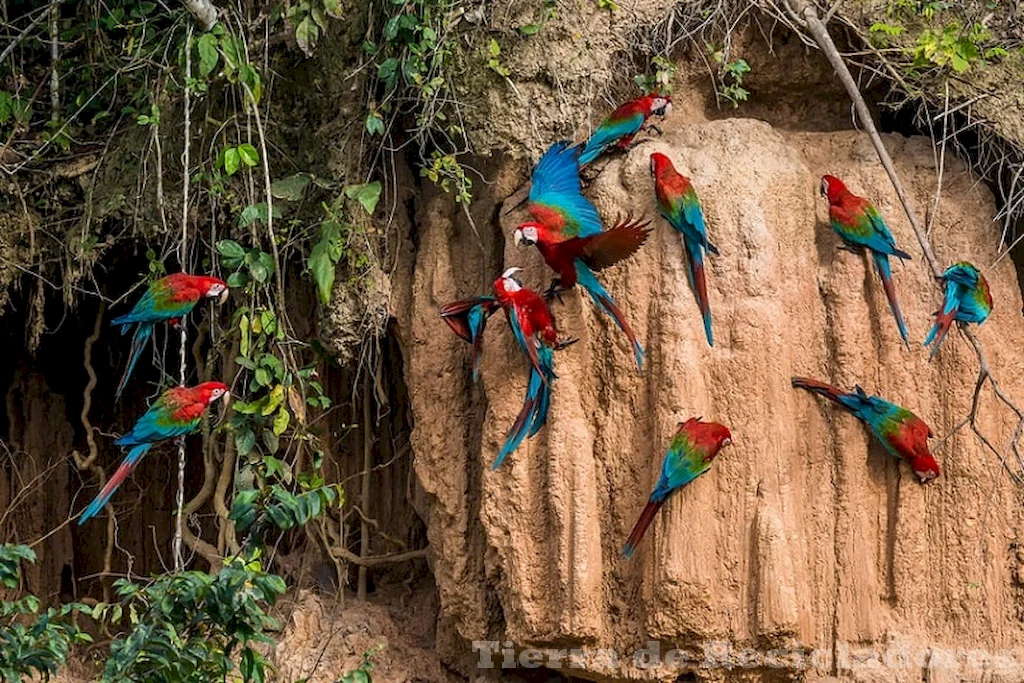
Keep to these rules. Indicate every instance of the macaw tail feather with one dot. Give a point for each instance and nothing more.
(142, 334)
(527, 416)
(591, 150)
(700, 286)
(885, 272)
(943, 321)
(646, 517)
(467, 319)
(127, 465)
(820, 388)
(604, 301)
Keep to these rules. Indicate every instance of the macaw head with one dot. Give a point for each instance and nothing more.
(527, 234)
(710, 436)
(832, 188)
(213, 288)
(659, 104)
(510, 283)
(208, 392)
(659, 162)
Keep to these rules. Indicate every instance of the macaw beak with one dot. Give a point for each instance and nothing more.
(221, 298)
(517, 237)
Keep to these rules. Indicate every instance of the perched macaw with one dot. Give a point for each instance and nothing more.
(534, 330)
(567, 230)
(623, 123)
(678, 203)
(858, 223)
(468, 318)
(902, 433)
(176, 413)
(689, 455)
(968, 298)
(167, 300)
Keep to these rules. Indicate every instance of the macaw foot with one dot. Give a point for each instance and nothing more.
(555, 290)
(565, 343)
(852, 248)
(179, 441)
(651, 127)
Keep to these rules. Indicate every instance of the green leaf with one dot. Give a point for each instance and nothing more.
(244, 328)
(231, 160)
(230, 249)
(333, 8)
(281, 420)
(238, 279)
(493, 49)
(306, 34)
(322, 268)
(245, 441)
(208, 54)
(292, 188)
(368, 194)
(274, 400)
(245, 362)
(529, 29)
(248, 154)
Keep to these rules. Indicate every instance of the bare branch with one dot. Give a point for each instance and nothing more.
(204, 11)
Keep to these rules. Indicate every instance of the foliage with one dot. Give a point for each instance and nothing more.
(191, 627)
(361, 674)
(414, 50)
(661, 81)
(447, 172)
(936, 36)
(33, 643)
(494, 59)
(547, 11)
(732, 72)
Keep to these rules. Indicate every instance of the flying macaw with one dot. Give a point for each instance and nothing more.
(567, 230)
(858, 223)
(176, 413)
(689, 455)
(468, 318)
(902, 433)
(623, 123)
(968, 298)
(534, 330)
(678, 203)
(167, 300)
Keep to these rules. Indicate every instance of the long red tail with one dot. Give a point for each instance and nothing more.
(885, 273)
(943, 321)
(646, 517)
(700, 287)
(820, 388)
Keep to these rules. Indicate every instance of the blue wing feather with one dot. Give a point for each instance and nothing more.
(555, 185)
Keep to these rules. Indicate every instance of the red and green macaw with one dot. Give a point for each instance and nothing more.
(167, 300)
(858, 223)
(624, 123)
(176, 413)
(468, 318)
(968, 298)
(902, 433)
(534, 330)
(678, 203)
(689, 455)
(567, 230)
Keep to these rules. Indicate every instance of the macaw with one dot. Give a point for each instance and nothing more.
(623, 123)
(689, 455)
(174, 414)
(968, 298)
(902, 433)
(858, 223)
(167, 300)
(678, 203)
(468, 318)
(534, 330)
(568, 232)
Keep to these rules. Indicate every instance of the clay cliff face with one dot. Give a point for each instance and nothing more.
(805, 532)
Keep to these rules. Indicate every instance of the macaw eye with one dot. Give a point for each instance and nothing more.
(726, 441)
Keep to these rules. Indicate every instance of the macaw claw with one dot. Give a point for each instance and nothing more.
(565, 343)
(553, 291)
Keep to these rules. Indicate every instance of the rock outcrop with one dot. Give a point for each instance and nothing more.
(805, 534)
